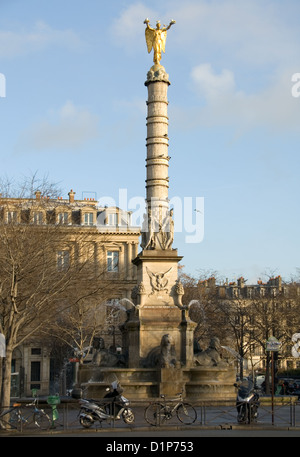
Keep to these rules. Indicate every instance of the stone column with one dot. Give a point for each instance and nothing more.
(158, 309)
(157, 161)
(157, 230)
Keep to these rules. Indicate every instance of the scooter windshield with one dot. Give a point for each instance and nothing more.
(245, 388)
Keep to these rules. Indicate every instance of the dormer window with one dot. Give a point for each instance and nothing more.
(89, 219)
(112, 219)
(62, 218)
(37, 217)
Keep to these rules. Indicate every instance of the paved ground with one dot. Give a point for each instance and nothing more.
(211, 422)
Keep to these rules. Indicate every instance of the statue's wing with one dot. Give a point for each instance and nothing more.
(152, 275)
(149, 34)
(163, 40)
(167, 271)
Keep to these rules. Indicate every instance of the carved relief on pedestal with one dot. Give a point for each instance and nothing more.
(159, 281)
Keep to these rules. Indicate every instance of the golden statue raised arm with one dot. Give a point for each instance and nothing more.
(156, 39)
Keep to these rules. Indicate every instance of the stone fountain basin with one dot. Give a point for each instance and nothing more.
(198, 383)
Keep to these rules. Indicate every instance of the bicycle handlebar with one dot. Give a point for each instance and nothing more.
(177, 395)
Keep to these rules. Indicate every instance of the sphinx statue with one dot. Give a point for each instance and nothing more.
(210, 357)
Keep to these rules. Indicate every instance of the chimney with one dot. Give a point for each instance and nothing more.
(38, 195)
(71, 196)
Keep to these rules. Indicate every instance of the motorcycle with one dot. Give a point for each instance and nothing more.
(113, 406)
(247, 402)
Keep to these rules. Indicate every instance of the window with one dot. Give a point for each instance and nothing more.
(35, 371)
(62, 260)
(37, 217)
(89, 219)
(12, 217)
(112, 219)
(62, 218)
(113, 261)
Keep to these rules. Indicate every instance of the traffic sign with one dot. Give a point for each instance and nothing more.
(273, 345)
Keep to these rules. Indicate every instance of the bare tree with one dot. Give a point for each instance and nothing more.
(79, 325)
(202, 296)
(35, 285)
(238, 319)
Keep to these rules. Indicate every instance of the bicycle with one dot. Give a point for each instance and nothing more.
(17, 420)
(8, 417)
(157, 413)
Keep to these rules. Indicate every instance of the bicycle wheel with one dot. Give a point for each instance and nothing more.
(42, 420)
(186, 413)
(153, 413)
(12, 419)
(16, 420)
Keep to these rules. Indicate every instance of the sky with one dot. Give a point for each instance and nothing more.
(73, 108)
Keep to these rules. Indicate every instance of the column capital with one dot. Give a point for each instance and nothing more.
(157, 73)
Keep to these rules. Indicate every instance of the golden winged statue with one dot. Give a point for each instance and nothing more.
(156, 39)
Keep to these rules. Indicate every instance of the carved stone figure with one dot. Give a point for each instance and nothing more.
(148, 231)
(163, 356)
(157, 234)
(103, 357)
(211, 356)
(168, 230)
(145, 233)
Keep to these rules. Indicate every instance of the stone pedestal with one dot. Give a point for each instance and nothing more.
(157, 311)
(171, 382)
(158, 314)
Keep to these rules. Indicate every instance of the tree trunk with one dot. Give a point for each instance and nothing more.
(1, 376)
(6, 378)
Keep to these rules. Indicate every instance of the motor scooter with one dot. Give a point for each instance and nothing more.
(113, 406)
(247, 402)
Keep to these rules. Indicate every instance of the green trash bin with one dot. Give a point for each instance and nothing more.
(53, 401)
(34, 392)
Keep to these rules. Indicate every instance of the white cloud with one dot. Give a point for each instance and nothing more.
(68, 128)
(211, 84)
(224, 104)
(254, 32)
(128, 30)
(15, 43)
(272, 107)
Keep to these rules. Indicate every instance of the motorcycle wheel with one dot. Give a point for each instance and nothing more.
(243, 415)
(128, 416)
(86, 421)
(254, 415)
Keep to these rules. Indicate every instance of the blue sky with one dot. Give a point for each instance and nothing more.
(74, 109)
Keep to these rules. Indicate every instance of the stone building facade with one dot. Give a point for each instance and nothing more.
(245, 306)
(113, 243)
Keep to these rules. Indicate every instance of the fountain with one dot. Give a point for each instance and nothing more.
(158, 334)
